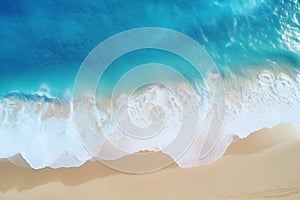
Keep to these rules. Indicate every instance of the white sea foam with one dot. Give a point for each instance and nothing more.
(43, 131)
(264, 101)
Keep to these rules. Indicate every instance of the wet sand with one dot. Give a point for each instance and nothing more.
(266, 165)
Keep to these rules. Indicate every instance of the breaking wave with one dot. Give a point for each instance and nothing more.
(42, 129)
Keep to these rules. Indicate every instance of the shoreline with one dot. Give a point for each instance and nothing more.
(254, 167)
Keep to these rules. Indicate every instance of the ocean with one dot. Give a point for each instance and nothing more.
(252, 46)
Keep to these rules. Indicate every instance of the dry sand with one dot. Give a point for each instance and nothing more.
(266, 165)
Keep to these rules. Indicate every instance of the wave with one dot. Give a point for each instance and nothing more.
(43, 130)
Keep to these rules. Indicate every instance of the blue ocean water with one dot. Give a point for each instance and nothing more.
(45, 42)
(255, 45)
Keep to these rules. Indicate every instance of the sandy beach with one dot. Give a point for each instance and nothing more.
(266, 165)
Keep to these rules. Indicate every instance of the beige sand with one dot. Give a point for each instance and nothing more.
(265, 165)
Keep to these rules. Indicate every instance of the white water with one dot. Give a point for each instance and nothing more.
(43, 131)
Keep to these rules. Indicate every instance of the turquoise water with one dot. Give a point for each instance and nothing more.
(45, 42)
(136, 58)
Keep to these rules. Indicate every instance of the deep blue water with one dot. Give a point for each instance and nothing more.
(44, 42)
